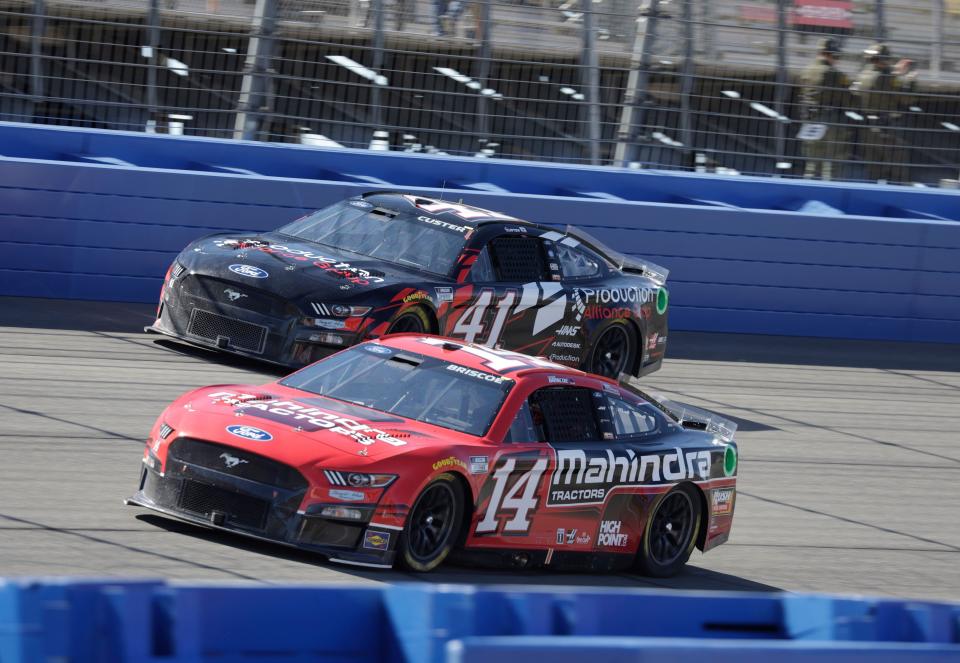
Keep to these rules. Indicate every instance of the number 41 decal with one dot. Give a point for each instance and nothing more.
(473, 321)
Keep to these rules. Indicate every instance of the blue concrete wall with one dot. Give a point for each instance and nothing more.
(152, 621)
(100, 215)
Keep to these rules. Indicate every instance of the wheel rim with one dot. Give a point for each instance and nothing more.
(611, 352)
(407, 323)
(672, 528)
(431, 522)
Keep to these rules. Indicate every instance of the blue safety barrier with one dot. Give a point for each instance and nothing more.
(152, 621)
(100, 215)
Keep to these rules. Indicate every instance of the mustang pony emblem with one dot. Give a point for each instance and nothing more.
(233, 295)
(232, 461)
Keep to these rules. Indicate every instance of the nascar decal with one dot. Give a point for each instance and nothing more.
(307, 418)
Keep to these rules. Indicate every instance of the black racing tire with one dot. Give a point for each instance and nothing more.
(613, 351)
(671, 533)
(433, 526)
(412, 321)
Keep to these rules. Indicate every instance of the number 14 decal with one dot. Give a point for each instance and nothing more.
(474, 319)
(521, 499)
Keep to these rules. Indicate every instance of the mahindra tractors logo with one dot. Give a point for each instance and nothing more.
(232, 461)
(233, 295)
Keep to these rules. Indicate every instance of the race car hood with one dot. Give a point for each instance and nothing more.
(290, 268)
(296, 428)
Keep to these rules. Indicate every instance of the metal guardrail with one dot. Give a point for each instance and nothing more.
(679, 84)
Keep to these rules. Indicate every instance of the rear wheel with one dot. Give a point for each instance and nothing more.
(414, 321)
(432, 526)
(671, 533)
(613, 351)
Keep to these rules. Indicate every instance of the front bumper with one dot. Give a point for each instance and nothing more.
(207, 497)
(265, 327)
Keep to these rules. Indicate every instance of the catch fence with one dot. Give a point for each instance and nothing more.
(679, 84)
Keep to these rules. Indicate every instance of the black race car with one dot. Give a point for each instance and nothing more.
(385, 263)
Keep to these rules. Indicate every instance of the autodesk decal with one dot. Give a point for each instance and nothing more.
(585, 477)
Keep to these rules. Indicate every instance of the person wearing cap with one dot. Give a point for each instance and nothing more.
(823, 98)
(883, 91)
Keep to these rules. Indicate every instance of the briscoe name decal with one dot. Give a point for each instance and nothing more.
(587, 478)
(305, 418)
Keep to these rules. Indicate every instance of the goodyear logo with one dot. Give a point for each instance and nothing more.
(452, 461)
(376, 540)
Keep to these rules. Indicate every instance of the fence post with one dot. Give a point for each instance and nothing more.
(880, 21)
(686, 85)
(257, 75)
(780, 90)
(153, 41)
(375, 114)
(38, 30)
(936, 24)
(482, 126)
(635, 96)
(592, 81)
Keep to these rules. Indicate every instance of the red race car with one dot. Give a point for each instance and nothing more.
(410, 448)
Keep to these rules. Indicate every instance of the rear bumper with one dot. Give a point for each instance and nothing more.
(211, 499)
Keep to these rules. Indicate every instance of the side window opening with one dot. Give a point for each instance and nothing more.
(568, 414)
(577, 262)
(482, 269)
(518, 259)
(525, 428)
(632, 420)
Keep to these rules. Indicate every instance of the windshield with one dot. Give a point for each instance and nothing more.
(357, 226)
(408, 385)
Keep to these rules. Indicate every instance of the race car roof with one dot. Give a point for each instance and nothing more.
(446, 210)
(478, 357)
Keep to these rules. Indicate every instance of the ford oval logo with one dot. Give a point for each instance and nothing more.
(250, 433)
(249, 270)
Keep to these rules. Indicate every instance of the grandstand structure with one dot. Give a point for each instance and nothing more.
(694, 84)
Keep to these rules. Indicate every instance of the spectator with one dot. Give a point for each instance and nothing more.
(824, 96)
(882, 91)
(448, 20)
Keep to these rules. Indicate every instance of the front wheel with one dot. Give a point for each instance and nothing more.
(414, 321)
(432, 527)
(613, 351)
(670, 534)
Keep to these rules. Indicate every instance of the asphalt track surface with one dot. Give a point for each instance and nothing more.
(850, 461)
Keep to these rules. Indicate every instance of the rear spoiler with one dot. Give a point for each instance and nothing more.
(630, 264)
(688, 416)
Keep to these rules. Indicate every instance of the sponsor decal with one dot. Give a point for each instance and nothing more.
(587, 477)
(568, 330)
(729, 460)
(306, 418)
(568, 345)
(376, 540)
(554, 267)
(514, 229)
(362, 204)
(478, 465)
(249, 271)
(610, 534)
(557, 379)
(628, 295)
(331, 266)
(233, 295)
(232, 461)
(417, 296)
(662, 299)
(564, 358)
(444, 294)
(661, 340)
(610, 389)
(250, 433)
(327, 323)
(598, 312)
(444, 224)
(480, 375)
(722, 501)
(347, 495)
(652, 341)
(378, 349)
(570, 537)
(452, 461)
